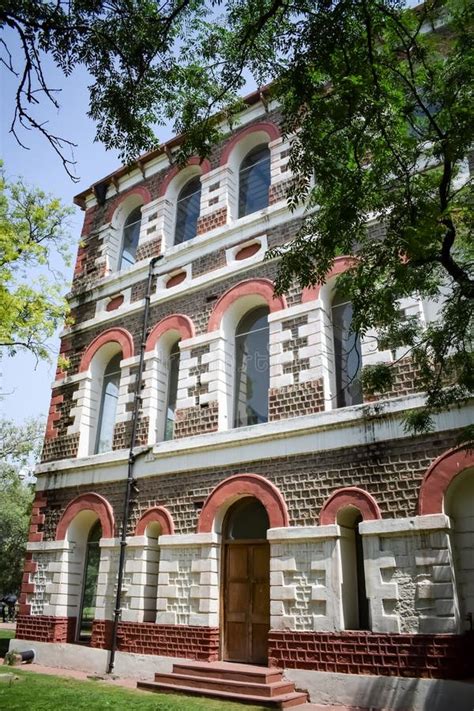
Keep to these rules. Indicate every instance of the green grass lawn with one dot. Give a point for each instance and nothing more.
(38, 692)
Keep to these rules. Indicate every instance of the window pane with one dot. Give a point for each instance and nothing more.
(187, 211)
(248, 518)
(131, 234)
(172, 392)
(254, 181)
(108, 409)
(252, 369)
(91, 574)
(347, 356)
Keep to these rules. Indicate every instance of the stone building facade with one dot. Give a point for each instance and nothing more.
(353, 545)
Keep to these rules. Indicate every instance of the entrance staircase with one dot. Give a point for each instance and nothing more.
(263, 686)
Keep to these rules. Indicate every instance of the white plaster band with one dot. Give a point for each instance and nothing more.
(415, 524)
(190, 539)
(303, 533)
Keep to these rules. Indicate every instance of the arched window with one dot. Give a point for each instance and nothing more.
(252, 377)
(187, 211)
(130, 236)
(108, 405)
(254, 180)
(89, 584)
(173, 374)
(347, 353)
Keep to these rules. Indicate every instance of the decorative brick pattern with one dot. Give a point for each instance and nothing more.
(199, 643)
(44, 628)
(208, 262)
(278, 191)
(123, 433)
(53, 416)
(64, 448)
(200, 419)
(296, 400)
(210, 222)
(150, 248)
(405, 655)
(404, 375)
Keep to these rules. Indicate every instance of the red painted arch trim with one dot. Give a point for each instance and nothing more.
(340, 265)
(117, 335)
(175, 322)
(87, 502)
(205, 168)
(349, 496)
(244, 485)
(249, 287)
(140, 190)
(438, 478)
(271, 129)
(157, 514)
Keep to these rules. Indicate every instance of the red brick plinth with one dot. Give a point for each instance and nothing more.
(44, 628)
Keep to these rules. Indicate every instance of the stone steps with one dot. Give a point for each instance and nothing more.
(243, 683)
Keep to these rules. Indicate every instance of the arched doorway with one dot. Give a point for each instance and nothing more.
(246, 583)
(89, 584)
(459, 504)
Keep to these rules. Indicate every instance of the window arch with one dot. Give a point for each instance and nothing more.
(347, 352)
(130, 237)
(254, 180)
(252, 378)
(108, 405)
(187, 210)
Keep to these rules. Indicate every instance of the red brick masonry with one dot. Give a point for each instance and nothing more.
(198, 643)
(435, 656)
(44, 628)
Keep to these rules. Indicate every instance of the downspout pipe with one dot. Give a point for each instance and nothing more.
(137, 402)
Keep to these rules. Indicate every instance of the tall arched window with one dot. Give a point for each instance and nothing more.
(89, 585)
(347, 353)
(130, 236)
(108, 405)
(187, 211)
(252, 378)
(254, 180)
(355, 605)
(173, 374)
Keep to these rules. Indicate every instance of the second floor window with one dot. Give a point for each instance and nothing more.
(172, 395)
(252, 378)
(131, 234)
(108, 405)
(347, 353)
(254, 181)
(187, 211)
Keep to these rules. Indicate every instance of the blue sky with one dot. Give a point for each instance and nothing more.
(24, 383)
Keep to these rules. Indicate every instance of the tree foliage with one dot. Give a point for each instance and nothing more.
(19, 449)
(378, 100)
(33, 236)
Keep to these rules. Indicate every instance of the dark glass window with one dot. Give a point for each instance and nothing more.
(89, 590)
(247, 519)
(187, 211)
(252, 377)
(347, 353)
(254, 181)
(131, 233)
(173, 374)
(108, 405)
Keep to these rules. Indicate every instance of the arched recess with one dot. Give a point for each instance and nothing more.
(350, 496)
(236, 487)
(204, 165)
(112, 335)
(87, 502)
(139, 195)
(340, 265)
(438, 478)
(175, 322)
(156, 514)
(263, 288)
(264, 127)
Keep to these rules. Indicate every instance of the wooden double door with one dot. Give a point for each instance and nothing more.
(246, 601)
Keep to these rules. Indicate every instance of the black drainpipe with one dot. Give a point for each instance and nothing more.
(137, 401)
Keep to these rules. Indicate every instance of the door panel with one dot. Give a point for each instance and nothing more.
(246, 602)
